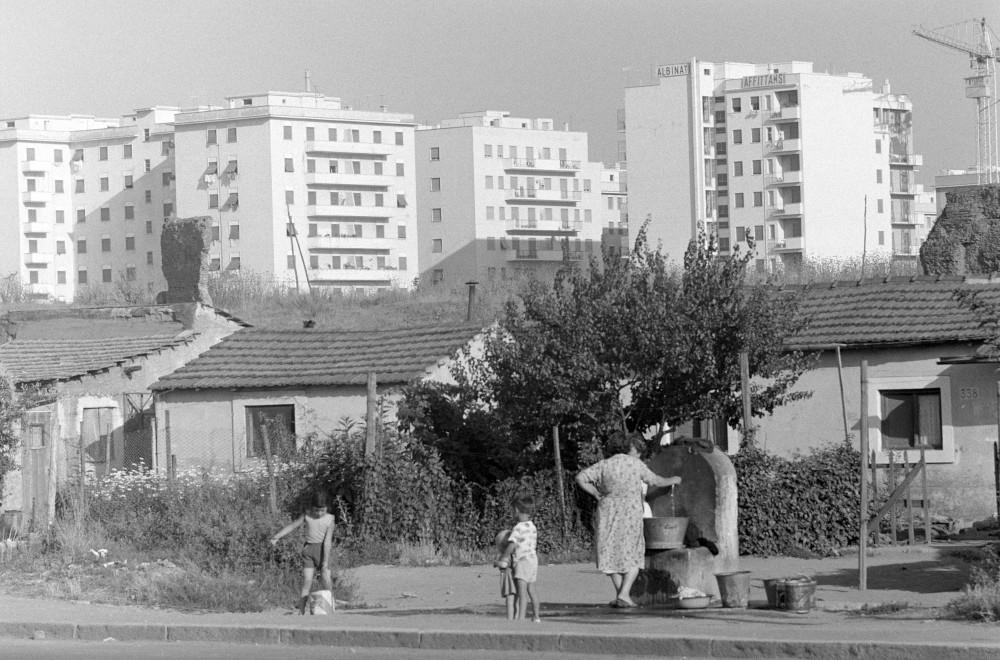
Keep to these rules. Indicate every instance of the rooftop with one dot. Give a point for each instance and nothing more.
(258, 358)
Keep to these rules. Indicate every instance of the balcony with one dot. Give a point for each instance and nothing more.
(366, 148)
(786, 245)
(35, 166)
(906, 218)
(786, 178)
(354, 275)
(350, 241)
(547, 227)
(527, 254)
(906, 160)
(37, 227)
(342, 211)
(542, 195)
(349, 179)
(906, 250)
(787, 209)
(907, 192)
(36, 197)
(784, 145)
(540, 165)
(38, 257)
(787, 113)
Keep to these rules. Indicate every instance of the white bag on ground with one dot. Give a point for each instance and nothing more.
(321, 602)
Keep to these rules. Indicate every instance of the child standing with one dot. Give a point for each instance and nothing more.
(507, 590)
(522, 558)
(315, 553)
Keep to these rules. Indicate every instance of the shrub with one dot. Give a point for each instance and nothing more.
(806, 503)
(980, 599)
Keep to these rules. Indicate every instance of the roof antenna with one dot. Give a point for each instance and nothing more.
(309, 84)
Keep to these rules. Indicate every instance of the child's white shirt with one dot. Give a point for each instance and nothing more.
(524, 536)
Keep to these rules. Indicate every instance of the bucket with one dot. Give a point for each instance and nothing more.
(664, 533)
(734, 588)
(799, 594)
(771, 589)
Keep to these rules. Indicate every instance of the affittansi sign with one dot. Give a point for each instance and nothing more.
(671, 70)
(763, 81)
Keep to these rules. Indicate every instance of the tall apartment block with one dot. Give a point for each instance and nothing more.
(83, 200)
(808, 164)
(302, 187)
(501, 196)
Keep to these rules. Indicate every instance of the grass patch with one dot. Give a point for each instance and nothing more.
(980, 599)
(892, 607)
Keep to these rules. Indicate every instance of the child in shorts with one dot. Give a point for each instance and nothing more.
(315, 553)
(507, 590)
(521, 555)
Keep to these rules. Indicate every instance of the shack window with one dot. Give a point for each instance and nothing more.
(278, 422)
(911, 419)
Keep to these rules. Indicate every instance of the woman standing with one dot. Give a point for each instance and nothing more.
(616, 483)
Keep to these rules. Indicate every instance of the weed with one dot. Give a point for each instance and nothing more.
(883, 608)
(980, 599)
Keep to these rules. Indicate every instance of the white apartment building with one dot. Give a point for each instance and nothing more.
(501, 196)
(806, 163)
(83, 200)
(300, 186)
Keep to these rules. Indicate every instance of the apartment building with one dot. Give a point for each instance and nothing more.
(501, 196)
(614, 210)
(83, 201)
(808, 164)
(301, 187)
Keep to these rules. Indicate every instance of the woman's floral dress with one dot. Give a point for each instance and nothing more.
(619, 479)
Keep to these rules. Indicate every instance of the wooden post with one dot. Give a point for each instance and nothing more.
(272, 486)
(843, 399)
(557, 454)
(892, 489)
(370, 414)
(874, 494)
(83, 473)
(910, 539)
(745, 387)
(863, 537)
(167, 446)
(923, 494)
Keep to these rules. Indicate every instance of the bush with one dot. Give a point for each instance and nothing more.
(980, 600)
(808, 503)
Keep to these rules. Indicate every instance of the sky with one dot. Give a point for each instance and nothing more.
(436, 58)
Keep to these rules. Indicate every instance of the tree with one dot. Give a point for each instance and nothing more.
(634, 343)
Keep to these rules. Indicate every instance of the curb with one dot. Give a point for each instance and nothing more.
(580, 643)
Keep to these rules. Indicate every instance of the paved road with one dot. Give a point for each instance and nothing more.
(56, 650)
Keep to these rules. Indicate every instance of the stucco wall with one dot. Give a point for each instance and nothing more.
(960, 476)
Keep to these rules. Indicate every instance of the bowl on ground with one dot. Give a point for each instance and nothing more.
(696, 603)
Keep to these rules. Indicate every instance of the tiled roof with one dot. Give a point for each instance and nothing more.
(895, 311)
(39, 360)
(258, 358)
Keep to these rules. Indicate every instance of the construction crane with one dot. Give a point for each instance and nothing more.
(976, 39)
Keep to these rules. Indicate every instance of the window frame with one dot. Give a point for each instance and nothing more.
(912, 383)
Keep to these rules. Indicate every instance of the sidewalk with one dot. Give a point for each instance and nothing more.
(460, 608)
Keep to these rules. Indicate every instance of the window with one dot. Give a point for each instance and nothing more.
(289, 197)
(878, 176)
(149, 258)
(332, 166)
(79, 187)
(379, 199)
(148, 165)
(490, 212)
(755, 135)
(489, 182)
(166, 178)
(758, 232)
(286, 132)
(168, 209)
(437, 276)
(756, 167)
(60, 277)
(377, 137)
(148, 196)
(57, 156)
(331, 134)
(738, 168)
(737, 104)
(356, 167)
(81, 276)
(289, 165)
(401, 231)
(129, 212)
(104, 183)
(290, 261)
(435, 184)
(106, 244)
(270, 427)
(211, 137)
(911, 419)
(81, 216)
(402, 263)
(33, 277)
(880, 206)
(399, 137)
(59, 186)
(881, 237)
(102, 153)
(399, 169)
(105, 214)
(379, 231)
(314, 261)
(435, 153)
(130, 242)
(488, 150)
(435, 215)
(130, 273)
(149, 226)
(234, 232)
(436, 245)
(127, 151)
(213, 201)
(231, 134)
(737, 136)
(106, 274)
(128, 182)
(878, 146)
(491, 243)
(78, 155)
(755, 103)
(60, 217)
(758, 199)
(377, 168)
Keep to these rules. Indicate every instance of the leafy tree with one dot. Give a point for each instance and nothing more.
(633, 343)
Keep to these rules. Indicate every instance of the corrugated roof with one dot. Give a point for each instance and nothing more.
(40, 360)
(258, 358)
(900, 311)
